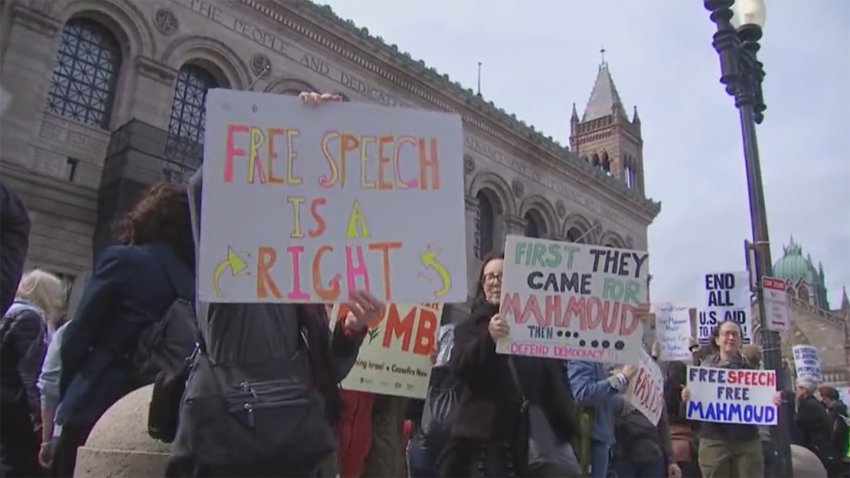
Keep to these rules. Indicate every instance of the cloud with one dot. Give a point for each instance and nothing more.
(539, 57)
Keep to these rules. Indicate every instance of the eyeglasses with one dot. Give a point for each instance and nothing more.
(492, 277)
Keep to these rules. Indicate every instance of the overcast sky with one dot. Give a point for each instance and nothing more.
(541, 56)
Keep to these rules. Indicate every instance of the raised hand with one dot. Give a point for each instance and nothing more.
(364, 309)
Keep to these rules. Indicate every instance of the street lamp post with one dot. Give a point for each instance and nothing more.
(739, 28)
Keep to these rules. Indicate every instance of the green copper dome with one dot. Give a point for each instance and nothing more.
(793, 266)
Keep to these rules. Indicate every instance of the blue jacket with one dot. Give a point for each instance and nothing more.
(593, 388)
(130, 289)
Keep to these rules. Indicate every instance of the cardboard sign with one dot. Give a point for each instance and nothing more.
(732, 396)
(807, 362)
(646, 389)
(673, 332)
(305, 204)
(395, 358)
(572, 301)
(727, 297)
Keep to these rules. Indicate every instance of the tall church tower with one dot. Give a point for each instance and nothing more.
(605, 137)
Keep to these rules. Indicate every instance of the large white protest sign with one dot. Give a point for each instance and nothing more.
(807, 362)
(646, 389)
(731, 396)
(305, 204)
(395, 358)
(573, 301)
(673, 332)
(727, 297)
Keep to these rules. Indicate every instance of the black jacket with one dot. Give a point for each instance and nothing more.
(815, 427)
(489, 404)
(14, 241)
(22, 349)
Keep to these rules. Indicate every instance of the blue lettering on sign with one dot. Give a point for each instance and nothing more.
(731, 413)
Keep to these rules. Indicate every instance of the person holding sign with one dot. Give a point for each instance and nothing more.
(486, 431)
(729, 450)
(263, 389)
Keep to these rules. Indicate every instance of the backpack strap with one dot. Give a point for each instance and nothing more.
(168, 268)
(193, 191)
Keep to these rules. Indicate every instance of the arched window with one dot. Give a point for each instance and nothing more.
(484, 222)
(606, 163)
(627, 175)
(574, 234)
(188, 113)
(85, 75)
(803, 293)
(534, 226)
(792, 292)
(595, 159)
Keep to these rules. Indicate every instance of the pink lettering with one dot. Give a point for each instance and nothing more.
(529, 349)
(296, 292)
(353, 271)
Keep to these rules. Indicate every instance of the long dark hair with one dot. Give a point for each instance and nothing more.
(162, 214)
(479, 296)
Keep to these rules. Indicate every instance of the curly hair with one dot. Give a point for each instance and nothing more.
(162, 214)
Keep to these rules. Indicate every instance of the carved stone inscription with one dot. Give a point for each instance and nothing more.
(547, 181)
(213, 12)
(264, 37)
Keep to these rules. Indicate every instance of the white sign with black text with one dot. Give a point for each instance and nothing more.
(727, 297)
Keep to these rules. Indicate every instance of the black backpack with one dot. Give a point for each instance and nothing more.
(440, 404)
(162, 356)
(12, 388)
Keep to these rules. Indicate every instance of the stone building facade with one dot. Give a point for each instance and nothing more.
(108, 97)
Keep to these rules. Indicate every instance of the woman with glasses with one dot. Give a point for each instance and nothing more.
(485, 438)
(729, 450)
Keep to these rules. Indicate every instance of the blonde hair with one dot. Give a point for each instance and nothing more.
(45, 291)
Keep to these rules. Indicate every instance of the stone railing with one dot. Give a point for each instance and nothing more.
(817, 311)
(836, 376)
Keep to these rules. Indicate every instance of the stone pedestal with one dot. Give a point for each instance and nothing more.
(806, 464)
(119, 444)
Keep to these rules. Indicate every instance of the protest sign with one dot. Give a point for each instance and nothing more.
(673, 332)
(305, 204)
(807, 362)
(727, 297)
(776, 304)
(646, 389)
(572, 301)
(395, 358)
(732, 396)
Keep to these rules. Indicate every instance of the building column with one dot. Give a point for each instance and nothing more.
(152, 94)
(26, 70)
(456, 312)
(472, 262)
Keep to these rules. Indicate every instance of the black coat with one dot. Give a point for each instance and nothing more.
(129, 290)
(815, 428)
(489, 404)
(14, 240)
